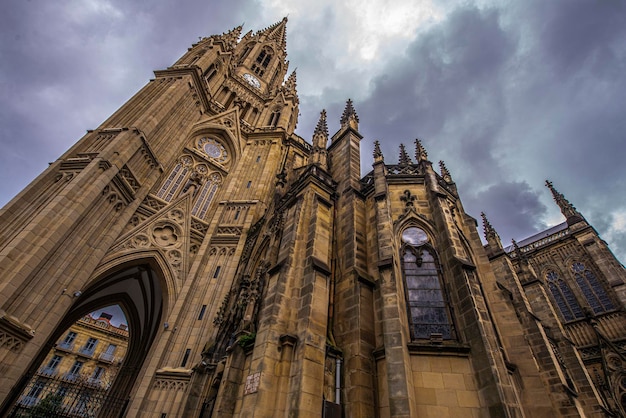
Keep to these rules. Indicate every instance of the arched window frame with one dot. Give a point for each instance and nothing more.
(262, 61)
(563, 296)
(274, 118)
(211, 72)
(176, 180)
(205, 195)
(435, 305)
(592, 290)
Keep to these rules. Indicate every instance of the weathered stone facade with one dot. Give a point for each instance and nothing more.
(262, 275)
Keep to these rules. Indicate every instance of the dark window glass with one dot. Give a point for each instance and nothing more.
(202, 311)
(592, 290)
(564, 297)
(428, 309)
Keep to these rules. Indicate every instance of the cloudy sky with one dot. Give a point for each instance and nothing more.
(507, 93)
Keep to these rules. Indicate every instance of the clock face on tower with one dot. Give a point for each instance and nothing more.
(252, 80)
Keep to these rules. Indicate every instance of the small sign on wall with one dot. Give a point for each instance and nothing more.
(252, 383)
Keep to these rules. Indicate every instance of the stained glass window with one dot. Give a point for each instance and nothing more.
(207, 192)
(564, 297)
(428, 310)
(176, 179)
(592, 290)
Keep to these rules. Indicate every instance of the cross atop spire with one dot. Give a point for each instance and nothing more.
(567, 209)
(349, 117)
(404, 157)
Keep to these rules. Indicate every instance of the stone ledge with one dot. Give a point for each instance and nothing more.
(445, 349)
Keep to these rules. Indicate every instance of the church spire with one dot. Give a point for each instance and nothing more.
(492, 237)
(349, 116)
(278, 33)
(404, 157)
(567, 209)
(420, 151)
(320, 139)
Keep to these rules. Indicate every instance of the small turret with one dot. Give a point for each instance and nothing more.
(568, 210)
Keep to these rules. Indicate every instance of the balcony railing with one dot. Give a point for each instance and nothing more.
(71, 377)
(48, 371)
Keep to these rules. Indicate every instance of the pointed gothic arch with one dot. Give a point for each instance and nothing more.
(563, 296)
(428, 305)
(138, 288)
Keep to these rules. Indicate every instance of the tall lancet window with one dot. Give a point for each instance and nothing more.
(176, 178)
(591, 288)
(205, 195)
(262, 61)
(429, 314)
(564, 297)
(274, 118)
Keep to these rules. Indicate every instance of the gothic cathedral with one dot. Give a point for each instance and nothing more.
(262, 276)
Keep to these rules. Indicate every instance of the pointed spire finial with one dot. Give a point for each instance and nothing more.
(320, 139)
(378, 154)
(291, 83)
(567, 209)
(487, 225)
(322, 127)
(444, 172)
(492, 237)
(404, 157)
(349, 116)
(420, 151)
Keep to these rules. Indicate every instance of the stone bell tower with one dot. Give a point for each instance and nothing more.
(151, 211)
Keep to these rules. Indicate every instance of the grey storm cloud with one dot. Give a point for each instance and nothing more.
(507, 93)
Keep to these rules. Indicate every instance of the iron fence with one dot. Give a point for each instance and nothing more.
(57, 396)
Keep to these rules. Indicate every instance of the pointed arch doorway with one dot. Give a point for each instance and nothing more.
(138, 290)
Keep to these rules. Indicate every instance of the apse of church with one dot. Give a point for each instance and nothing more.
(262, 275)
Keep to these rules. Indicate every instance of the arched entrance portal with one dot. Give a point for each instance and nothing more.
(137, 289)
